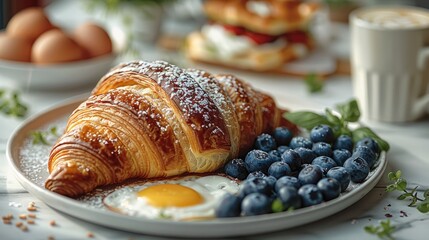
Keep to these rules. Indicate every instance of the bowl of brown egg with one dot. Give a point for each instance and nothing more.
(36, 54)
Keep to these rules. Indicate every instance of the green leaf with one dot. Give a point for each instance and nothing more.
(363, 132)
(313, 82)
(391, 188)
(371, 229)
(426, 194)
(306, 119)
(342, 131)
(384, 230)
(13, 105)
(39, 138)
(391, 176)
(331, 117)
(402, 184)
(398, 174)
(404, 195)
(53, 131)
(423, 207)
(349, 111)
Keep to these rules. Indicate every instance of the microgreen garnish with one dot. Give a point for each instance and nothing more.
(277, 206)
(163, 215)
(384, 230)
(400, 184)
(40, 137)
(313, 82)
(11, 105)
(348, 113)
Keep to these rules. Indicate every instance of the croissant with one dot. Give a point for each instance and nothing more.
(154, 119)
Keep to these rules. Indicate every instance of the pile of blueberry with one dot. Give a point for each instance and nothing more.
(286, 172)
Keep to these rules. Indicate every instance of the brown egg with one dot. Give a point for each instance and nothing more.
(29, 23)
(55, 46)
(15, 48)
(93, 38)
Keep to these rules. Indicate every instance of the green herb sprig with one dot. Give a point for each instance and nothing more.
(348, 113)
(40, 137)
(383, 231)
(313, 82)
(11, 105)
(400, 184)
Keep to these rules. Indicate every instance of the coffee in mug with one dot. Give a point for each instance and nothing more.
(389, 60)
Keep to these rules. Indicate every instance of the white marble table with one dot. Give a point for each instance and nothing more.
(409, 153)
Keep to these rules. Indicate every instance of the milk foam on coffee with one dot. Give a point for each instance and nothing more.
(395, 18)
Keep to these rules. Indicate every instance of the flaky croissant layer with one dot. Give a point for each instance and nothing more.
(154, 119)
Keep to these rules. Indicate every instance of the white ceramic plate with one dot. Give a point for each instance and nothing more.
(57, 76)
(33, 182)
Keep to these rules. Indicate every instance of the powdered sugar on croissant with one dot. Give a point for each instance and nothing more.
(154, 119)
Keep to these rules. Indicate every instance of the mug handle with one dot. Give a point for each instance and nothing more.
(422, 103)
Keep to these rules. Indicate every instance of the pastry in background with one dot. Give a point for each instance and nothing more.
(259, 35)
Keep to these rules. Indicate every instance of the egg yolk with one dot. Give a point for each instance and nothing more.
(170, 195)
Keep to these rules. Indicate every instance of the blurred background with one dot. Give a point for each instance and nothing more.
(11, 7)
(151, 29)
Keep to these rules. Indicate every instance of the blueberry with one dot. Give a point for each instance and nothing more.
(282, 135)
(254, 185)
(229, 206)
(341, 175)
(257, 174)
(322, 149)
(282, 149)
(236, 168)
(289, 197)
(279, 169)
(322, 133)
(257, 160)
(255, 204)
(265, 142)
(340, 156)
(366, 154)
(292, 159)
(330, 188)
(310, 195)
(307, 155)
(271, 181)
(357, 168)
(324, 162)
(274, 155)
(287, 181)
(300, 141)
(310, 174)
(344, 142)
(371, 143)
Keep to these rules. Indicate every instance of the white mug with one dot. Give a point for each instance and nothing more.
(389, 59)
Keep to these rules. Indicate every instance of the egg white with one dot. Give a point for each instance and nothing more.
(212, 188)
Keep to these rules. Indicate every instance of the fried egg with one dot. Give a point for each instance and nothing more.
(186, 198)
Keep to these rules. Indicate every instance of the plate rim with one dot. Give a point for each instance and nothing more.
(231, 227)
